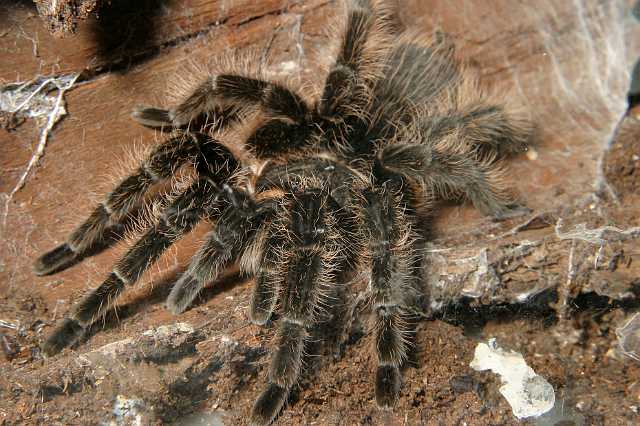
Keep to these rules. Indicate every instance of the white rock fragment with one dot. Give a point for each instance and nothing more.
(228, 341)
(629, 337)
(165, 331)
(214, 418)
(128, 411)
(529, 394)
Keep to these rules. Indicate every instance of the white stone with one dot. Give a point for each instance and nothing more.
(529, 394)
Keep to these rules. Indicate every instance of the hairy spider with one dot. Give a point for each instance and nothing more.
(305, 193)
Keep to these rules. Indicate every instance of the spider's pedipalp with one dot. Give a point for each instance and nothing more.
(291, 177)
(158, 166)
(271, 270)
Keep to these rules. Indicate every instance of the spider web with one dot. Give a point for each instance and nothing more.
(569, 63)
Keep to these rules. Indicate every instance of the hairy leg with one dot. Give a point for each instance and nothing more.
(450, 175)
(233, 232)
(390, 251)
(158, 166)
(488, 130)
(270, 274)
(309, 270)
(178, 218)
(360, 60)
(288, 178)
(221, 96)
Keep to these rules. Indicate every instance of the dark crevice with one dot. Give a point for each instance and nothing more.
(122, 27)
(634, 90)
(122, 53)
(597, 305)
(123, 64)
(472, 318)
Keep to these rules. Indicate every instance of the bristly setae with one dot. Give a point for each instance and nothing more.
(304, 193)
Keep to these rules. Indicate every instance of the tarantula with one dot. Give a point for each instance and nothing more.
(303, 193)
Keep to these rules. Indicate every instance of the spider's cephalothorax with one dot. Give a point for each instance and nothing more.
(305, 193)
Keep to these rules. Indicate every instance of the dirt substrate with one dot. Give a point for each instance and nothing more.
(142, 365)
(212, 363)
(219, 367)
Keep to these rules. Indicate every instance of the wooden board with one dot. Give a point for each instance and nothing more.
(548, 58)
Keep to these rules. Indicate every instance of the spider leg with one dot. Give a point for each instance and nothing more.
(176, 220)
(270, 276)
(391, 275)
(309, 270)
(487, 129)
(224, 245)
(222, 96)
(151, 116)
(359, 61)
(158, 166)
(272, 270)
(450, 175)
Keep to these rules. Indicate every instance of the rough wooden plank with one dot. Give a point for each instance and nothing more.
(98, 132)
(123, 34)
(508, 50)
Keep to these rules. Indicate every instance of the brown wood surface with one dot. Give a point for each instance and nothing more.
(540, 55)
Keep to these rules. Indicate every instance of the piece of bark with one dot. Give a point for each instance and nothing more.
(61, 16)
(566, 63)
(126, 33)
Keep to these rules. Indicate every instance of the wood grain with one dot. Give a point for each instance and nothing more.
(542, 57)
